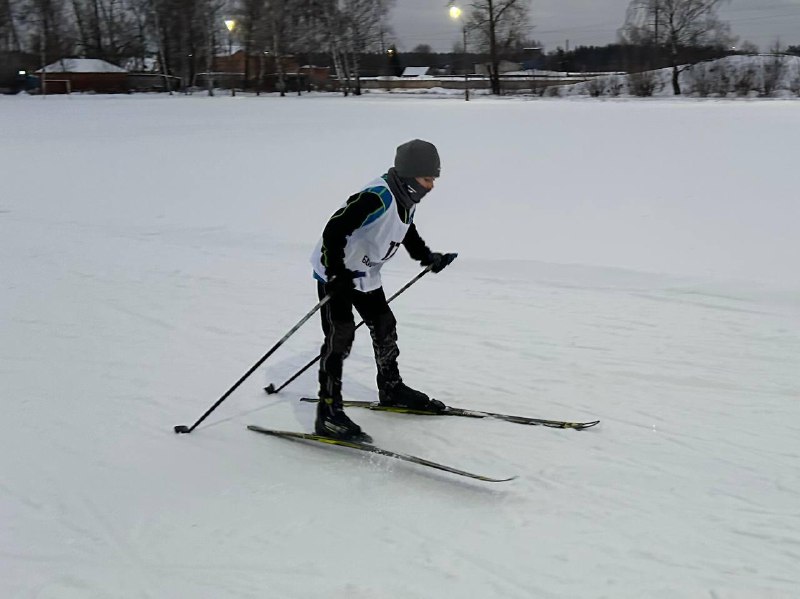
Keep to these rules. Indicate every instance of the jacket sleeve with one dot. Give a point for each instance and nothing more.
(415, 245)
(342, 224)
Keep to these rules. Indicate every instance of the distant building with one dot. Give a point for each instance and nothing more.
(256, 70)
(415, 71)
(84, 75)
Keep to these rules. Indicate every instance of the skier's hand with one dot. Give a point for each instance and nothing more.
(341, 283)
(438, 261)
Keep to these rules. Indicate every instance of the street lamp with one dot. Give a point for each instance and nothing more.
(455, 14)
(230, 24)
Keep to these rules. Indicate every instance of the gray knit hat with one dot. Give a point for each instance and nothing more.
(417, 158)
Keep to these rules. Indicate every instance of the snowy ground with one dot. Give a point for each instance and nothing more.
(630, 261)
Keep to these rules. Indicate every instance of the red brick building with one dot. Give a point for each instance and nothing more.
(82, 75)
(261, 72)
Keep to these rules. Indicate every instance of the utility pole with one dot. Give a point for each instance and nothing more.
(466, 66)
(457, 14)
(656, 40)
(43, 51)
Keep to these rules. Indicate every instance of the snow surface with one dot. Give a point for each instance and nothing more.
(630, 261)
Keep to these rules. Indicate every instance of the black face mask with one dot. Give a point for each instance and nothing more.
(419, 191)
(407, 190)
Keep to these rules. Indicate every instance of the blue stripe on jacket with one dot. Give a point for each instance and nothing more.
(386, 200)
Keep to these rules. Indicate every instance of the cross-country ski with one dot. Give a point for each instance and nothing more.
(369, 448)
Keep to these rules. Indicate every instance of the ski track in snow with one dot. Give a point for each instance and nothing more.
(126, 312)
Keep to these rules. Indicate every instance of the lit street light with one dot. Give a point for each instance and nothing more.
(455, 14)
(231, 25)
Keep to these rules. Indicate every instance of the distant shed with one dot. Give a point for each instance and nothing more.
(84, 75)
(415, 71)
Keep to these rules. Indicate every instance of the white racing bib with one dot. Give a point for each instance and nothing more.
(373, 243)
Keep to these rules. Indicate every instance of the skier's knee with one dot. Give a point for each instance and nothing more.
(384, 327)
(342, 337)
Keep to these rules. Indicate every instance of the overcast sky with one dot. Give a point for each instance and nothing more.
(591, 22)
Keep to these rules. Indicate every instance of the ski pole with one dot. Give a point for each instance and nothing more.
(182, 428)
(271, 387)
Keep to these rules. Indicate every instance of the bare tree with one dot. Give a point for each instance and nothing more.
(211, 12)
(143, 33)
(9, 35)
(596, 87)
(179, 33)
(794, 84)
(748, 47)
(335, 34)
(349, 28)
(744, 80)
(710, 78)
(108, 29)
(251, 32)
(147, 12)
(50, 30)
(278, 14)
(675, 25)
(643, 84)
(87, 16)
(773, 70)
(364, 30)
(317, 29)
(498, 25)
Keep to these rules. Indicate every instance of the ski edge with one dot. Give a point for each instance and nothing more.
(369, 448)
(371, 405)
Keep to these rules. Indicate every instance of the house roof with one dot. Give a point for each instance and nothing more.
(81, 65)
(415, 71)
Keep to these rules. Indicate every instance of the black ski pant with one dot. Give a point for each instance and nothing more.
(338, 325)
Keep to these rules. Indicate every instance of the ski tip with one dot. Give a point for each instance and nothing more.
(499, 480)
(584, 425)
(575, 426)
(270, 389)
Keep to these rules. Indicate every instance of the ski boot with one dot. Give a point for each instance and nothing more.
(333, 422)
(400, 395)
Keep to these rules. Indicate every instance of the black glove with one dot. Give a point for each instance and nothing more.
(438, 261)
(340, 283)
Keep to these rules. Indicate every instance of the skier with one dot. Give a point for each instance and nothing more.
(357, 240)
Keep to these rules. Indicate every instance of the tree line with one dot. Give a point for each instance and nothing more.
(182, 37)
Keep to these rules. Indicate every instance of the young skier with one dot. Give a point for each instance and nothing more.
(358, 239)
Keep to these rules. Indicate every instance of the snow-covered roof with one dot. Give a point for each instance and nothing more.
(415, 71)
(82, 65)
